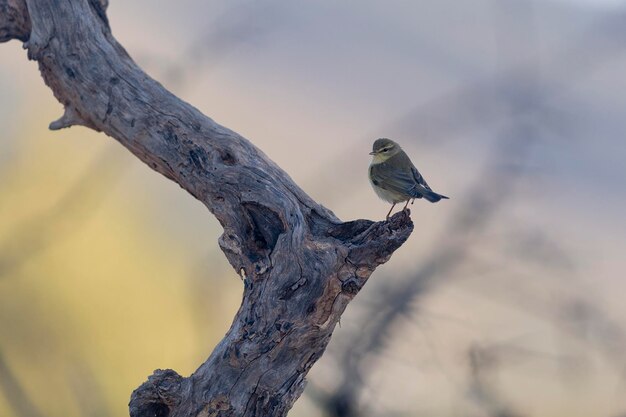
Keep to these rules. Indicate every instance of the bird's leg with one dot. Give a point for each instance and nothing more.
(406, 205)
(392, 206)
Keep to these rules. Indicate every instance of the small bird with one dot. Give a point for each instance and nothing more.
(394, 177)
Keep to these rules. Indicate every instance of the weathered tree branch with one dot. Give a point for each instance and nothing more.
(302, 266)
(14, 20)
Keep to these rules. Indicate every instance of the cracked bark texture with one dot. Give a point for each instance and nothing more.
(302, 266)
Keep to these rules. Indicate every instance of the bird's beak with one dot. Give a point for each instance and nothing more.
(372, 153)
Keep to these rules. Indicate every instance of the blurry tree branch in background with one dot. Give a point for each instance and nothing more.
(16, 396)
(249, 24)
(481, 362)
(301, 265)
(490, 193)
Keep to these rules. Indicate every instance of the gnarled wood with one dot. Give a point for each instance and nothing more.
(14, 21)
(302, 266)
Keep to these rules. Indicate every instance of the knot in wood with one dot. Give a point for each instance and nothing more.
(351, 287)
(157, 396)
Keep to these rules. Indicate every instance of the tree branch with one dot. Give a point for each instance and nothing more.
(302, 266)
(14, 20)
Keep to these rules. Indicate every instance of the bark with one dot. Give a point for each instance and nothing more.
(301, 265)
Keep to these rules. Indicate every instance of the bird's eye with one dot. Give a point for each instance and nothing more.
(386, 150)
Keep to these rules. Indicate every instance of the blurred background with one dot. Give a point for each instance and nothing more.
(507, 300)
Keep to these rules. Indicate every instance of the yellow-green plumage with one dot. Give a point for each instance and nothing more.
(394, 177)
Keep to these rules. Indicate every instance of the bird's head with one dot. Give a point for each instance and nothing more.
(384, 149)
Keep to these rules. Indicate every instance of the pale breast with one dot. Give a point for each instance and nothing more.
(387, 195)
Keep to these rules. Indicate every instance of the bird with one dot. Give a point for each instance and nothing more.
(394, 177)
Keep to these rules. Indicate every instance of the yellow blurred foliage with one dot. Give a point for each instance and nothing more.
(89, 290)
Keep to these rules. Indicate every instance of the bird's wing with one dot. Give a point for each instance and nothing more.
(418, 178)
(389, 178)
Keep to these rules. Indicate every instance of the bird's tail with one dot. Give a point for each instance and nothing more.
(432, 196)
